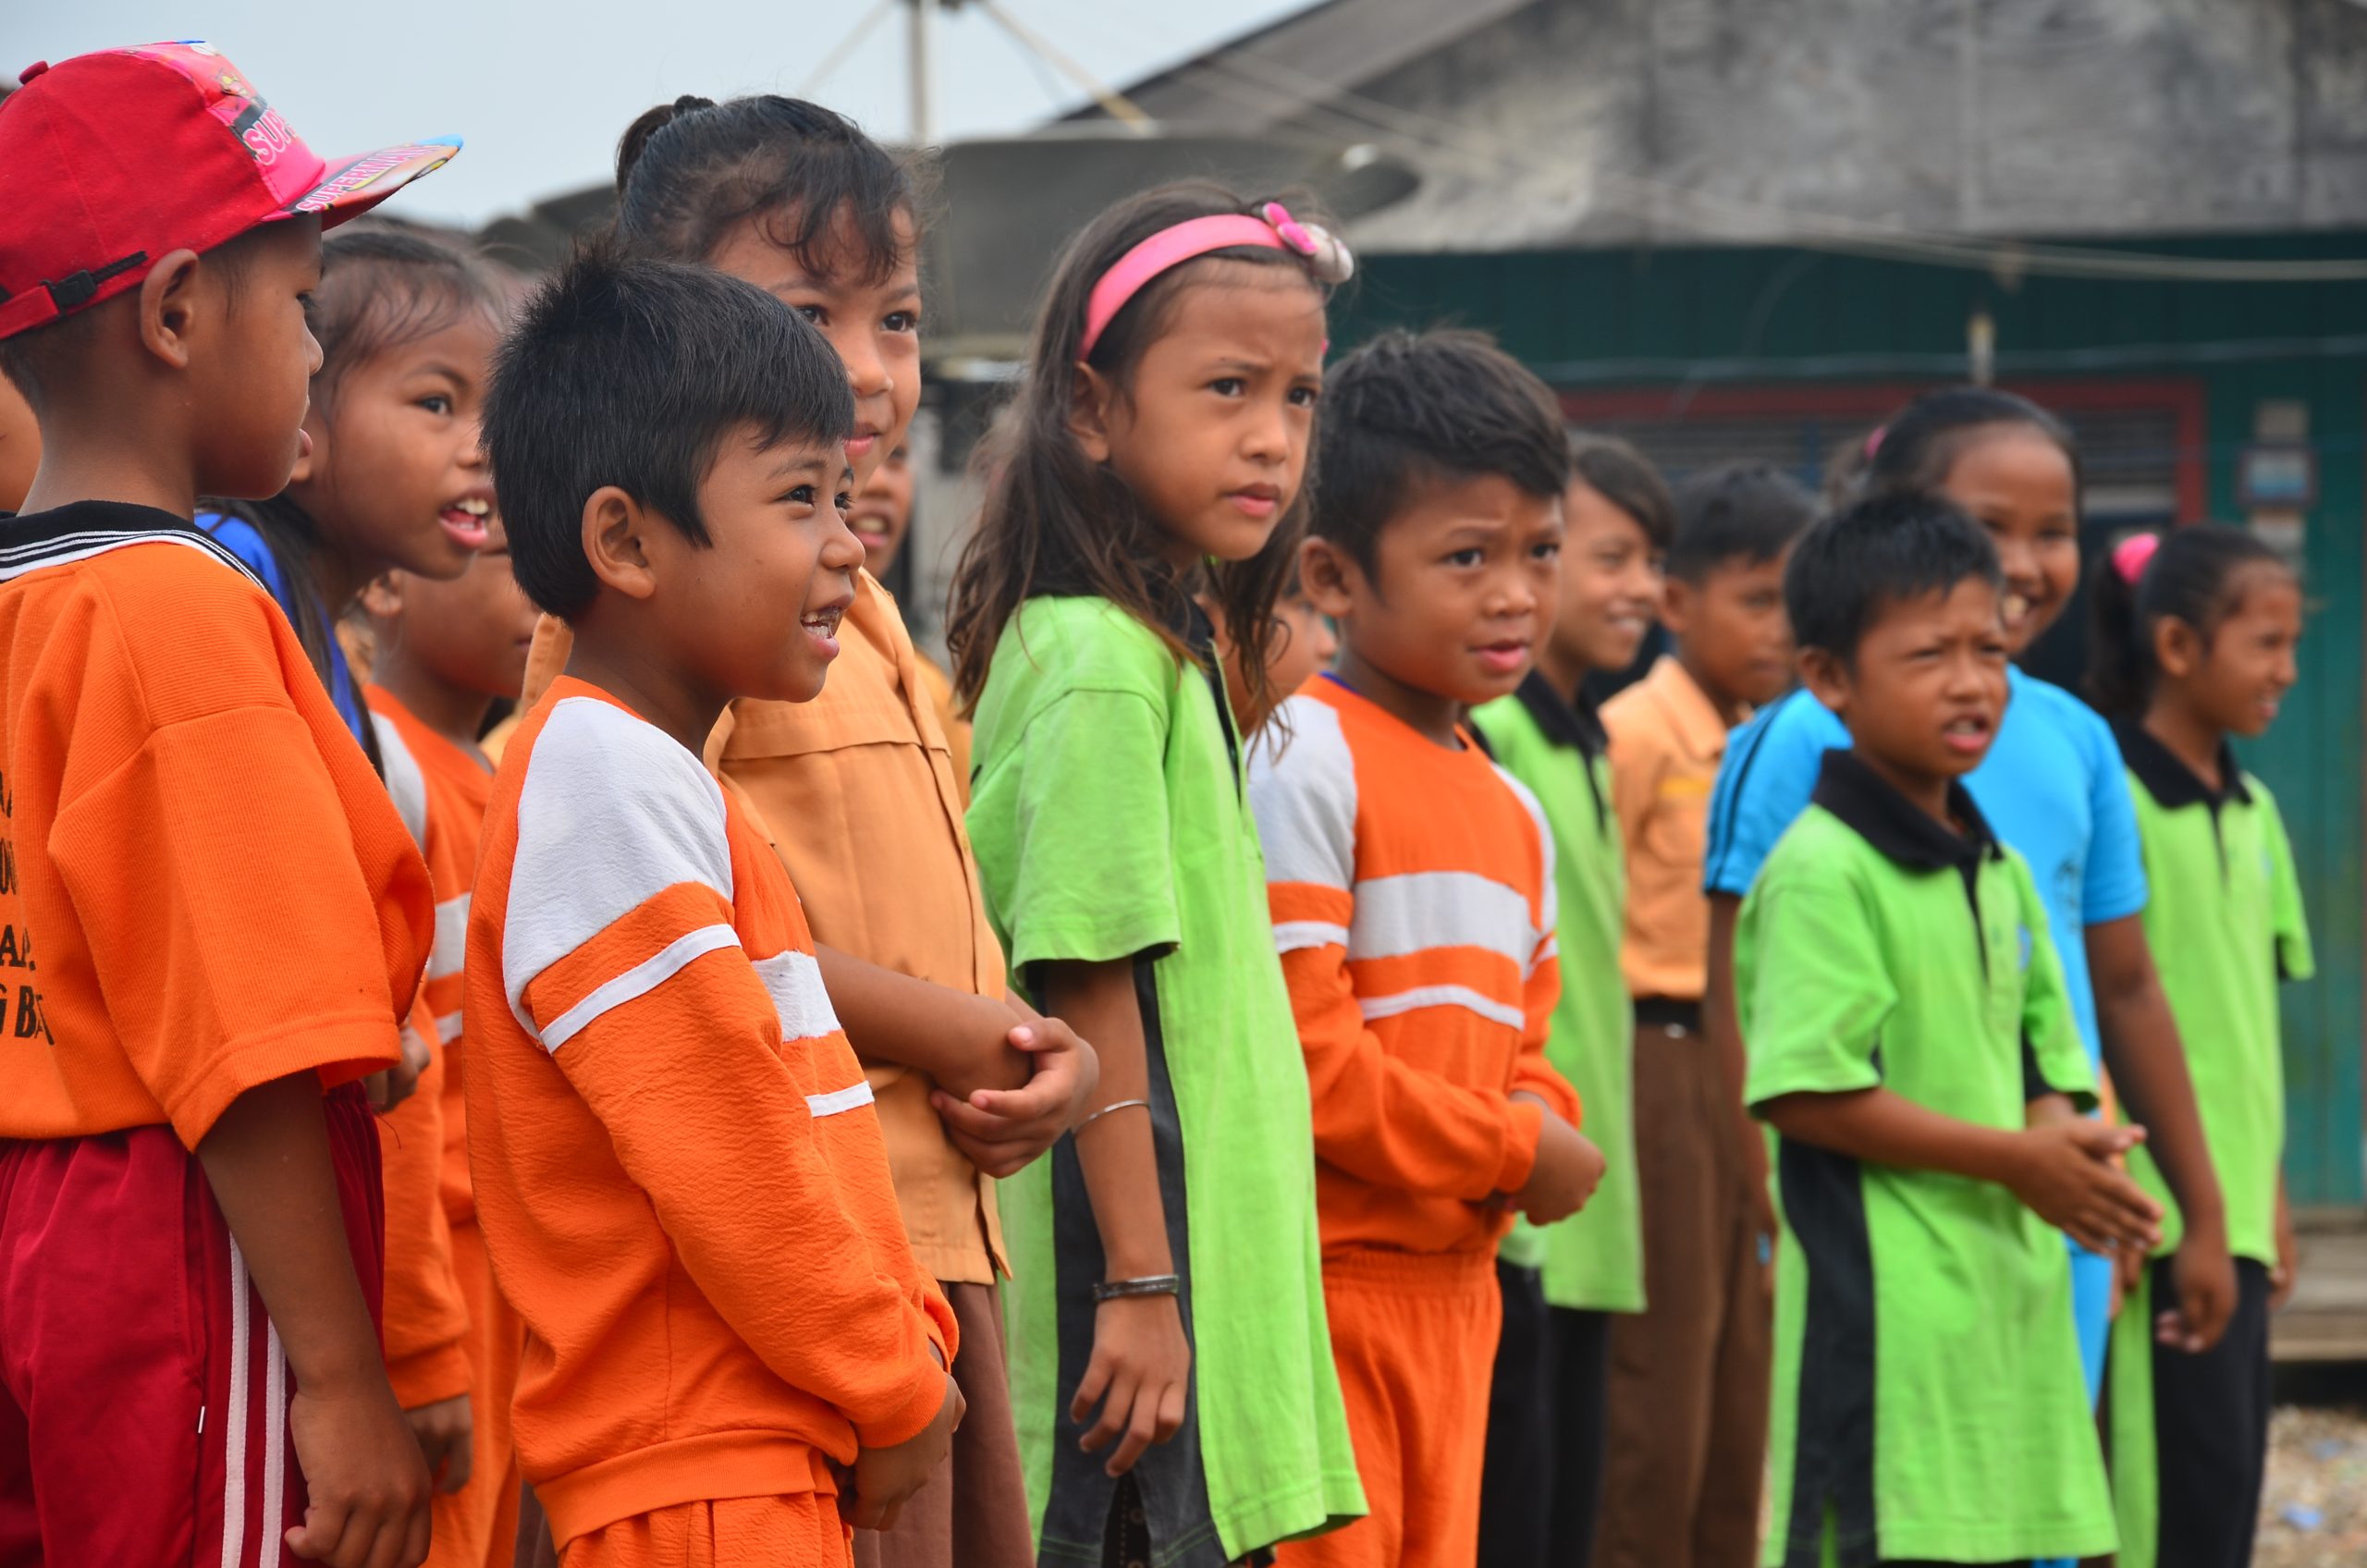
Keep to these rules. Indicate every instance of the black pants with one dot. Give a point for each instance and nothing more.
(2211, 1431)
(1542, 1484)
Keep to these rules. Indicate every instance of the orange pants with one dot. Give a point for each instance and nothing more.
(1414, 1336)
(477, 1526)
(799, 1531)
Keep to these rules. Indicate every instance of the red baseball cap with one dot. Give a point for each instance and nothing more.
(113, 160)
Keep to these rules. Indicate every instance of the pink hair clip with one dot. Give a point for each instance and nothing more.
(1272, 229)
(2130, 555)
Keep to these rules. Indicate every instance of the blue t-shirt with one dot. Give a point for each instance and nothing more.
(2051, 786)
(243, 539)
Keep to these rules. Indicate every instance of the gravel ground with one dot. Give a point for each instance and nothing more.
(2315, 1512)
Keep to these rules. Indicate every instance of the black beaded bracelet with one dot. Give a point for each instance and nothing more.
(1148, 1285)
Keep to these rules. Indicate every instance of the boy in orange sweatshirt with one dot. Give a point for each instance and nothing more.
(730, 1353)
(1412, 886)
(444, 652)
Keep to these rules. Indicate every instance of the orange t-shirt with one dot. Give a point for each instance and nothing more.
(219, 891)
(1411, 893)
(1666, 742)
(447, 813)
(442, 793)
(677, 1167)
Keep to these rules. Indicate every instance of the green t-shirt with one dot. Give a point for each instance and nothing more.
(1593, 1260)
(2225, 926)
(1108, 819)
(1928, 1401)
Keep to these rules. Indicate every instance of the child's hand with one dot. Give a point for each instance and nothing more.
(390, 1086)
(368, 1486)
(2287, 1272)
(2128, 1271)
(2206, 1281)
(1001, 1131)
(886, 1478)
(1568, 1167)
(1140, 1375)
(2064, 1173)
(446, 1438)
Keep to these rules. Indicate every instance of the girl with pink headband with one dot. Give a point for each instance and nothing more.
(2193, 644)
(1171, 1368)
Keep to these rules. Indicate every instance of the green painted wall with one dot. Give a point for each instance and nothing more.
(1770, 317)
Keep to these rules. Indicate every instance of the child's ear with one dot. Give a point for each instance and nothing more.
(1089, 408)
(382, 596)
(1677, 600)
(311, 461)
(1826, 676)
(2178, 649)
(616, 537)
(1328, 576)
(167, 304)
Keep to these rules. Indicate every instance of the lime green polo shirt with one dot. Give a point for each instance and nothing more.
(1109, 821)
(1594, 1260)
(1928, 1402)
(2225, 926)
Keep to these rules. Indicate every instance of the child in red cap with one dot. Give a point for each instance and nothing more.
(228, 913)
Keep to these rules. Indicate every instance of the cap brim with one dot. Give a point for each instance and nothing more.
(351, 186)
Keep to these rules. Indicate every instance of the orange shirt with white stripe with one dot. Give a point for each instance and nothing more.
(677, 1164)
(219, 891)
(442, 793)
(1412, 894)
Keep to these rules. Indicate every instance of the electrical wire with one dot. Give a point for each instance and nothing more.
(845, 47)
(1114, 104)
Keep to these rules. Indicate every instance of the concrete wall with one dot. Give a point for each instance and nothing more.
(1603, 121)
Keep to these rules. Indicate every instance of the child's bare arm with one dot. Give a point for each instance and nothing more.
(1008, 1082)
(267, 1162)
(1722, 1026)
(1001, 1131)
(2142, 1050)
(2060, 1170)
(1141, 1368)
(961, 1039)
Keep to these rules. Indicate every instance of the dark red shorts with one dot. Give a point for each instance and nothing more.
(143, 1393)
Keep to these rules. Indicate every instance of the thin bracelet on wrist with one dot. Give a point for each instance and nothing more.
(1113, 1105)
(1146, 1285)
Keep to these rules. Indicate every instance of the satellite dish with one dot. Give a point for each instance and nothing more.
(1011, 202)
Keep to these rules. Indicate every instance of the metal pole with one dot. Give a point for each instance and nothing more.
(923, 69)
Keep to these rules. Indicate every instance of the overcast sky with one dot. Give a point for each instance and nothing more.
(540, 100)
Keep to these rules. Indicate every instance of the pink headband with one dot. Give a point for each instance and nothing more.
(1272, 229)
(2130, 555)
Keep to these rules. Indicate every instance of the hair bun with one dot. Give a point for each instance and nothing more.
(636, 137)
(1331, 261)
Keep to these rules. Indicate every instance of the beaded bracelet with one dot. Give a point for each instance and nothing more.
(1148, 1285)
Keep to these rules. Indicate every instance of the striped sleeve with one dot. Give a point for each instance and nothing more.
(1541, 982)
(1376, 1117)
(426, 1317)
(707, 1066)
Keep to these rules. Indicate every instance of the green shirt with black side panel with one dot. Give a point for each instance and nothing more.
(1928, 1402)
(1594, 1260)
(2225, 926)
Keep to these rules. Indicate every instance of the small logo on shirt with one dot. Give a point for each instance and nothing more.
(2024, 932)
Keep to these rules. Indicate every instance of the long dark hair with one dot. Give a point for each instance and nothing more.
(2191, 575)
(1055, 522)
(382, 287)
(691, 173)
(1916, 446)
